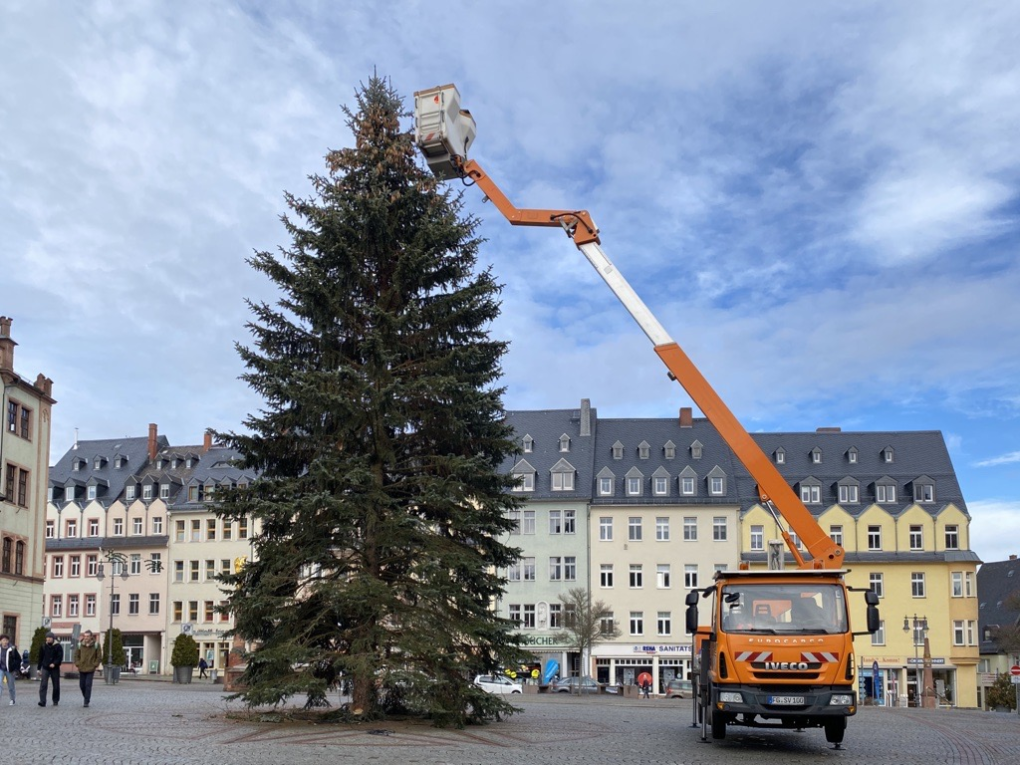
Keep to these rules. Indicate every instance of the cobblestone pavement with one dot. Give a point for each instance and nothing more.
(157, 722)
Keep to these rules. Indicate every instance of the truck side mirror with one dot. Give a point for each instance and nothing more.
(873, 618)
(692, 611)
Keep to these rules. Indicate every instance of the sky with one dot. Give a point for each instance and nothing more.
(819, 201)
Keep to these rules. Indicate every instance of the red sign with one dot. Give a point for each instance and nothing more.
(1015, 670)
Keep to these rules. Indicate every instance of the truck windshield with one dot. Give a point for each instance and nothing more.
(783, 609)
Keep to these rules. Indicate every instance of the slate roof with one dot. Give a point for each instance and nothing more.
(545, 427)
(134, 449)
(214, 466)
(996, 582)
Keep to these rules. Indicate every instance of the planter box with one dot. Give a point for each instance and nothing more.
(111, 675)
(183, 675)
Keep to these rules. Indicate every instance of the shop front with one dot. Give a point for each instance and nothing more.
(622, 664)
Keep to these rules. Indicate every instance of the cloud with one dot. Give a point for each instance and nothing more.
(989, 519)
(1004, 459)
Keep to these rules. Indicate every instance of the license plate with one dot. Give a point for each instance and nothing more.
(785, 700)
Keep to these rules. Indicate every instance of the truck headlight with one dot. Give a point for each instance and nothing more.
(841, 700)
(731, 697)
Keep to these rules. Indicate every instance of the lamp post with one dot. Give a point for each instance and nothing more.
(915, 625)
(117, 561)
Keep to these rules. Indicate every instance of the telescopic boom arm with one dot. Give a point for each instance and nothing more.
(444, 132)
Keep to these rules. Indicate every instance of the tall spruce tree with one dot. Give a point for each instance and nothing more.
(380, 501)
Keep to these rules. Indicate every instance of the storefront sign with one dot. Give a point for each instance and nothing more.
(533, 640)
(675, 650)
(920, 662)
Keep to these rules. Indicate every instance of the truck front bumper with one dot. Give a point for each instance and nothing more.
(795, 703)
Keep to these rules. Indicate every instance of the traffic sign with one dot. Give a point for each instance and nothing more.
(1015, 670)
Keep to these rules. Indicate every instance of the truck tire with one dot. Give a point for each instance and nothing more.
(718, 725)
(834, 730)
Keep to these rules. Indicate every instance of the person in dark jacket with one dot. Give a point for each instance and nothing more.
(10, 666)
(50, 658)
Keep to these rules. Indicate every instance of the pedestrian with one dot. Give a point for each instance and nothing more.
(646, 687)
(203, 665)
(10, 665)
(86, 659)
(50, 658)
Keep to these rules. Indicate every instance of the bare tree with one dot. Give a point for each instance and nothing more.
(585, 623)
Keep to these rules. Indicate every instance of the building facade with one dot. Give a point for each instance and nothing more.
(24, 463)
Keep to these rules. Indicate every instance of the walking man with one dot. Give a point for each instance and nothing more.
(86, 659)
(203, 665)
(50, 658)
(10, 663)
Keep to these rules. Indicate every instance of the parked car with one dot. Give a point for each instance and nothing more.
(498, 684)
(679, 689)
(584, 684)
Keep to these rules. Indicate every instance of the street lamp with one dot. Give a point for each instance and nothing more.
(917, 625)
(117, 561)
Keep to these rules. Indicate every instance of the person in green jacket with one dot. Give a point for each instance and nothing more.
(86, 659)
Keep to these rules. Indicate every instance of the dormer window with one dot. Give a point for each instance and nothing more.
(885, 491)
(924, 489)
(129, 491)
(851, 455)
(849, 491)
(97, 463)
(696, 448)
(780, 456)
(147, 491)
(173, 463)
(189, 462)
(816, 456)
(529, 444)
(160, 463)
(605, 482)
(717, 482)
(634, 482)
(164, 491)
(564, 443)
(617, 451)
(669, 450)
(90, 492)
(524, 476)
(562, 475)
(118, 461)
(643, 449)
(887, 454)
(811, 491)
(660, 482)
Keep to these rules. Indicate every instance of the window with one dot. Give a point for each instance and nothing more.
(178, 611)
(528, 564)
(617, 451)
(634, 529)
(564, 443)
(664, 623)
(569, 568)
(877, 584)
(72, 528)
(633, 487)
(57, 606)
(643, 450)
(606, 576)
(608, 623)
(19, 419)
(90, 492)
(179, 531)
(887, 454)
(210, 529)
(968, 582)
(118, 527)
(719, 529)
(157, 525)
(662, 576)
(687, 485)
(816, 456)
(696, 450)
(971, 631)
(662, 529)
(851, 456)
(192, 610)
(133, 604)
(917, 585)
(555, 522)
(136, 563)
(209, 609)
(605, 529)
(194, 571)
(524, 481)
(569, 521)
(137, 526)
(885, 493)
(93, 527)
(836, 535)
(196, 530)
(780, 456)
(878, 636)
(210, 571)
(757, 537)
(529, 616)
(691, 576)
(115, 604)
(916, 538)
(605, 487)
(164, 491)
(178, 571)
(690, 529)
(555, 616)
(529, 444)
(957, 584)
(147, 491)
(528, 522)
(669, 450)
(8, 554)
(90, 605)
(637, 576)
(637, 623)
(155, 563)
(129, 491)
(242, 527)
(660, 485)
(716, 486)
(958, 636)
(513, 572)
(58, 563)
(19, 558)
(848, 494)
(153, 603)
(75, 566)
(874, 537)
(924, 492)
(810, 494)
(91, 565)
(51, 529)
(952, 537)
(556, 569)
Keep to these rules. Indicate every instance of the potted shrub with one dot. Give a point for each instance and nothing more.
(184, 658)
(113, 656)
(38, 638)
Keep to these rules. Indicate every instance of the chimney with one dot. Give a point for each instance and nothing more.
(585, 416)
(686, 417)
(207, 442)
(152, 440)
(1012, 557)
(829, 430)
(6, 344)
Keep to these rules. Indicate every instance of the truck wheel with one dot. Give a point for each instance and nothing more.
(834, 730)
(718, 726)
